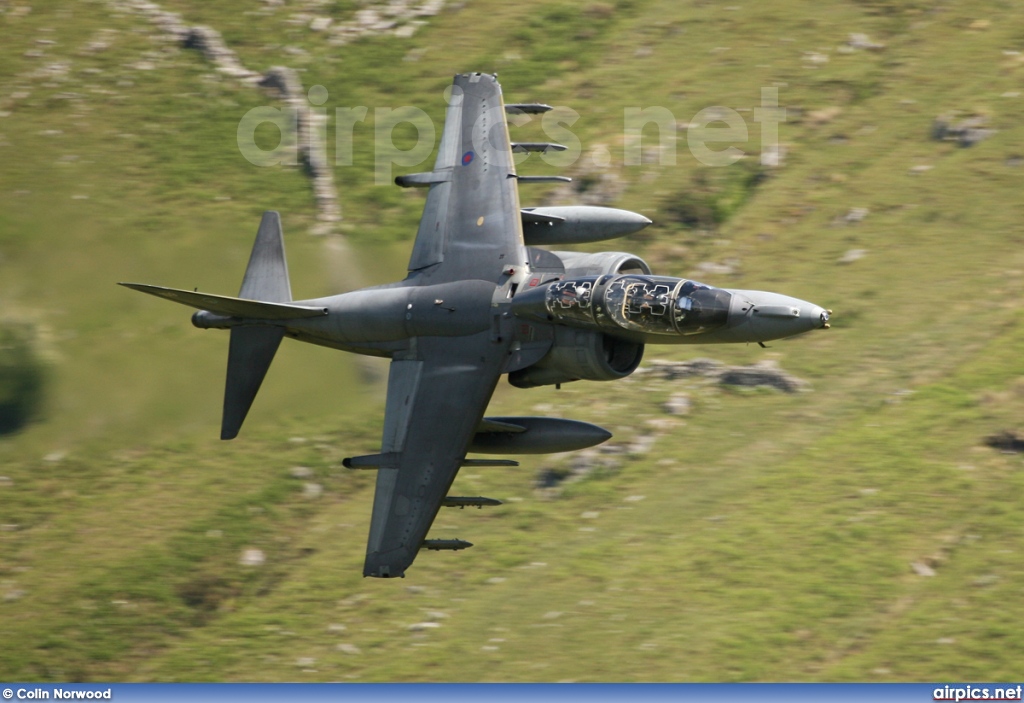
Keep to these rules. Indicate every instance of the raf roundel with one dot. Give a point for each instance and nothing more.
(467, 158)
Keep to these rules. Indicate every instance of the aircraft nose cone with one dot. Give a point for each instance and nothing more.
(810, 316)
(763, 316)
(819, 314)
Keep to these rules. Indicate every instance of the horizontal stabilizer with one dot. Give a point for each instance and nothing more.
(231, 307)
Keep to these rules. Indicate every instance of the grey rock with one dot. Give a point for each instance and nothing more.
(421, 626)
(966, 133)
(312, 490)
(856, 214)
(853, 255)
(252, 557)
(284, 80)
(581, 465)
(712, 268)
(1006, 441)
(766, 373)
(763, 374)
(678, 404)
(922, 569)
(642, 444)
(672, 370)
(970, 137)
(858, 40)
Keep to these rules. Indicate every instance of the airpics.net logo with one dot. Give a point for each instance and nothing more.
(977, 693)
(712, 135)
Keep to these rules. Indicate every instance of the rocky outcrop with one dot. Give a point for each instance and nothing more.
(283, 81)
(858, 40)
(966, 132)
(603, 459)
(764, 374)
(1006, 441)
(311, 127)
(399, 17)
(211, 44)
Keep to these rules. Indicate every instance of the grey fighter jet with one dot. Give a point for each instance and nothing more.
(480, 300)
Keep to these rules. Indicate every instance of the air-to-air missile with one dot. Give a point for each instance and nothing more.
(462, 502)
(445, 544)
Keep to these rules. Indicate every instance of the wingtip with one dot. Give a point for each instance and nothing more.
(229, 428)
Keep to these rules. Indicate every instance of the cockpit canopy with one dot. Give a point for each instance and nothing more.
(644, 304)
(662, 305)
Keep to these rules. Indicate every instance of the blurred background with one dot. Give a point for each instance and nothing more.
(854, 512)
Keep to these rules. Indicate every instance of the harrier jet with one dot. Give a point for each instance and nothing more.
(480, 301)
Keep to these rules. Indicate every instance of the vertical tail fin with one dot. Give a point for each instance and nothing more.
(266, 277)
(249, 356)
(253, 348)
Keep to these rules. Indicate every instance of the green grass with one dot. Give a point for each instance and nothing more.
(762, 537)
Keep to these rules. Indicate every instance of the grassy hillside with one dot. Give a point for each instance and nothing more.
(862, 530)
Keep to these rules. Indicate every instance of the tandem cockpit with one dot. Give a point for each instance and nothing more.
(635, 303)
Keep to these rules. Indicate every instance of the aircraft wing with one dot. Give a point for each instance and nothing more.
(471, 229)
(435, 402)
(471, 226)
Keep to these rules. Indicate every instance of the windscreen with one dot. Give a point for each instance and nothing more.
(668, 306)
